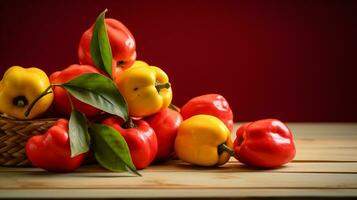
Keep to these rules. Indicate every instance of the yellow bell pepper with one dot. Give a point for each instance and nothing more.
(19, 87)
(203, 140)
(145, 88)
(139, 63)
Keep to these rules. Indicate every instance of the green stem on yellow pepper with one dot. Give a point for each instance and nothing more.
(44, 93)
(223, 147)
(160, 86)
(20, 101)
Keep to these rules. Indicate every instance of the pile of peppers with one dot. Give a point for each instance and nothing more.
(153, 128)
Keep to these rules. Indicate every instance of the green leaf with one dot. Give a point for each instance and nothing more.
(99, 91)
(100, 49)
(110, 149)
(78, 133)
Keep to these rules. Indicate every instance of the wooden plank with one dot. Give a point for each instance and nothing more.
(325, 165)
(235, 166)
(324, 141)
(321, 149)
(175, 193)
(321, 143)
(231, 166)
(326, 155)
(177, 180)
(326, 150)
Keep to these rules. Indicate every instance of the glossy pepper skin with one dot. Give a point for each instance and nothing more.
(61, 100)
(141, 140)
(199, 139)
(165, 124)
(146, 89)
(209, 104)
(121, 41)
(265, 143)
(19, 87)
(52, 150)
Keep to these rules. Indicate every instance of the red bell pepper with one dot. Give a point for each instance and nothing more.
(209, 104)
(61, 101)
(121, 41)
(165, 124)
(51, 151)
(139, 136)
(265, 143)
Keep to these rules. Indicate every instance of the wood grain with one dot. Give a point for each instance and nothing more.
(325, 166)
(179, 180)
(179, 193)
(231, 166)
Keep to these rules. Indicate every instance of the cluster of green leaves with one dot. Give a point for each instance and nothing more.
(110, 149)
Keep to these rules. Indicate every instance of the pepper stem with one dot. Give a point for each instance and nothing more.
(120, 63)
(129, 124)
(223, 147)
(44, 93)
(173, 107)
(20, 101)
(160, 86)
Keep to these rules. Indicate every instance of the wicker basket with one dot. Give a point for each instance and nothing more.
(13, 137)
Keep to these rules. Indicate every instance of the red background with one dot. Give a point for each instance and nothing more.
(292, 60)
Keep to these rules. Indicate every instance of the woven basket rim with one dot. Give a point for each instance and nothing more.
(2, 117)
(14, 134)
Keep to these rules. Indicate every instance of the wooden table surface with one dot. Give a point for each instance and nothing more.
(325, 166)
